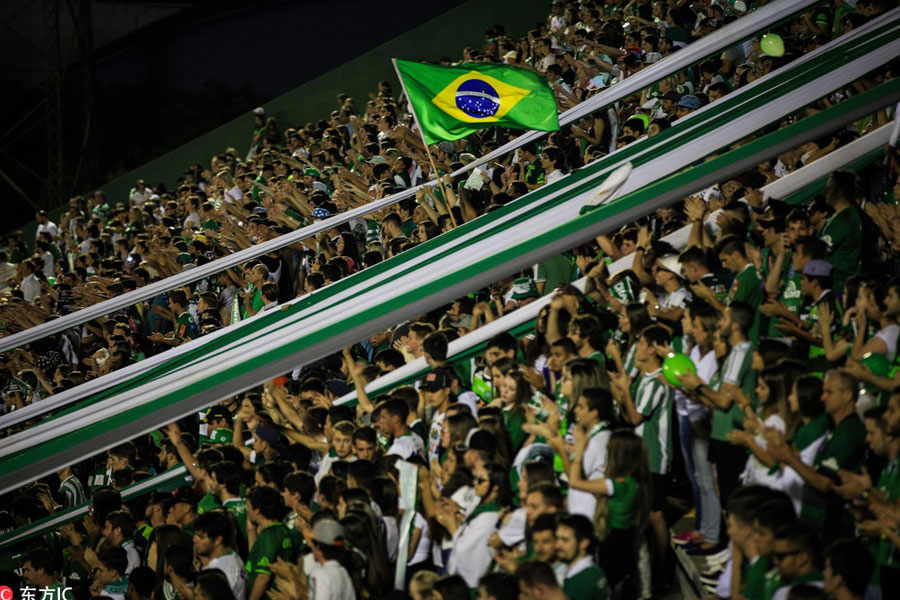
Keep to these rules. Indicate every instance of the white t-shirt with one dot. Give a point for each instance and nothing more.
(434, 436)
(593, 466)
(706, 365)
(757, 472)
(49, 227)
(680, 298)
(391, 536)
(470, 555)
(407, 445)
(330, 581)
(554, 176)
(423, 548)
(889, 336)
(233, 567)
(139, 198)
(134, 557)
(31, 288)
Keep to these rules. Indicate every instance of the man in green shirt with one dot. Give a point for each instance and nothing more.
(226, 485)
(109, 576)
(185, 327)
(537, 581)
(575, 546)
(39, 571)
(747, 285)
(843, 229)
(783, 286)
(844, 448)
(797, 557)
(848, 569)
(883, 437)
(551, 273)
(269, 539)
(735, 377)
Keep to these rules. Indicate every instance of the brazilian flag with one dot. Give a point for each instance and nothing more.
(452, 102)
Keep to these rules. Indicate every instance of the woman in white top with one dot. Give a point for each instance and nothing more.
(470, 556)
(772, 391)
(699, 323)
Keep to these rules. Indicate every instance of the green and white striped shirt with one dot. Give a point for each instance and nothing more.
(72, 491)
(735, 371)
(654, 401)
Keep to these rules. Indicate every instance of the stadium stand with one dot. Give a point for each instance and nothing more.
(319, 369)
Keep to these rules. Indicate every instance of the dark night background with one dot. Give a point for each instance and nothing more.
(148, 76)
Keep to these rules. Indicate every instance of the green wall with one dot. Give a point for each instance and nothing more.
(445, 35)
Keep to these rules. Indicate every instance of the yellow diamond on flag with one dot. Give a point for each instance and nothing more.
(478, 98)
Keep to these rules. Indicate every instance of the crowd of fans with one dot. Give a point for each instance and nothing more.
(546, 467)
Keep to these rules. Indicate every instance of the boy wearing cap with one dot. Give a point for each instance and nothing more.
(216, 426)
(686, 106)
(267, 536)
(183, 511)
(329, 580)
(667, 274)
(435, 392)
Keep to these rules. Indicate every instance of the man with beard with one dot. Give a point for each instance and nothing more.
(213, 546)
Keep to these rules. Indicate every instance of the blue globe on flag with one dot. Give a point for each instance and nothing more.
(477, 99)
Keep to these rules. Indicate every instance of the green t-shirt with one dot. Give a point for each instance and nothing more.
(116, 588)
(790, 295)
(238, 507)
(185, 328)
(408, 228)
(534, 173)
(843, 234)
(622, 503)
(257, 303)
(553, 272)
(844, 448)
(208, 502)
(588, 584)
(748, 287)
(754, 578)
(513, 421)
(274, 542)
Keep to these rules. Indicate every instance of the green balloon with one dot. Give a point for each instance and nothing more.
(772, 45)
(675, 366)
